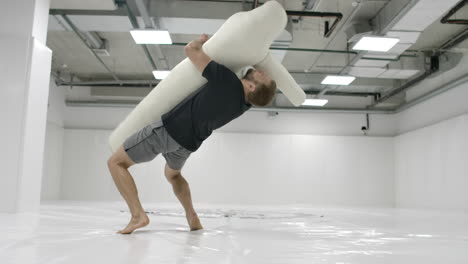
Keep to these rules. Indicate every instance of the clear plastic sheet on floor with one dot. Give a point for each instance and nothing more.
(85, 232)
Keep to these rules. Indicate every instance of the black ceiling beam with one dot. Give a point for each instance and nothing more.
(446, 19)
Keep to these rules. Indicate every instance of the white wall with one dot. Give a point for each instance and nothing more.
(431, 153)
(431, 166)
(53, 154)
(52, 171)
(85, 152)
(427, 163)
(296, 144)
(34, 128)
(245, 168)
(24, 70)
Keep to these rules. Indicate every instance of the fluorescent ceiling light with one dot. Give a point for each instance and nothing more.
(145, 36)
(376, 44)
(338, 80)
(159, 75)
(315, 102)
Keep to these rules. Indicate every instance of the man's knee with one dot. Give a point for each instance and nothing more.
(120, 158)
(171, 174)
(113, 161)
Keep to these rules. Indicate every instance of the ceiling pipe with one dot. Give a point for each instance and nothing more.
(135, 25)
(328, 30)
(448, 86)
(144, 13)
(446, 19)
(340, 93)
(403, 88)
(126, 83)
(152, 83)
(463, 79)
(76, 30)
(150, 25)
(132, 104)
(324, 51)
(401, 108)
(452, 42)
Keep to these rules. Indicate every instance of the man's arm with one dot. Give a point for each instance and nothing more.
(195, 53)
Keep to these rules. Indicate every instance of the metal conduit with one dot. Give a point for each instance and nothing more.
(151, 83)
(76, 30)
(135, 25)
(150, 25)
(144, 14)
(126, 83)
(402, 88)
(446, 19)
(261, 109)
(324, 51)
(427, 96)
(433, 93)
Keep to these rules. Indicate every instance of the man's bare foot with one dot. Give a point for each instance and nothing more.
(194, 222)
(135, 223)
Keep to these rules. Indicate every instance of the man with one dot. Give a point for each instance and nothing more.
(185, 127)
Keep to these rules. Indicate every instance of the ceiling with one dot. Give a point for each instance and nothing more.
(319, 55)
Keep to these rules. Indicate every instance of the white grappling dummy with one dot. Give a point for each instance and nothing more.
(243, 40)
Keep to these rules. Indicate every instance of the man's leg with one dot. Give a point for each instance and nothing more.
(182, 191)
(118, 165)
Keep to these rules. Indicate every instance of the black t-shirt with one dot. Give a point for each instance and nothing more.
(212, 106)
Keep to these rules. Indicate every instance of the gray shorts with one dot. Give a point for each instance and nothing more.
(153, 139)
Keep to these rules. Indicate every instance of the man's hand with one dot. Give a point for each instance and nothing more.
(195, 53)
(203, 38)
(198, 43)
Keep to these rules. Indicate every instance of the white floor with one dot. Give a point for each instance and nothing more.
(79, 232)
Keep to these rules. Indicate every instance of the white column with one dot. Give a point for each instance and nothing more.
(25, 63)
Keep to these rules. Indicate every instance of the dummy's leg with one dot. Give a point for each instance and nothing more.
(182, 191)
(118, 165)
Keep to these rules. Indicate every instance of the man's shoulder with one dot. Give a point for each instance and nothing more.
(221, 71)
(220, 66)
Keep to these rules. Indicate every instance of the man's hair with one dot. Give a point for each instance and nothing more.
(263, 94)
